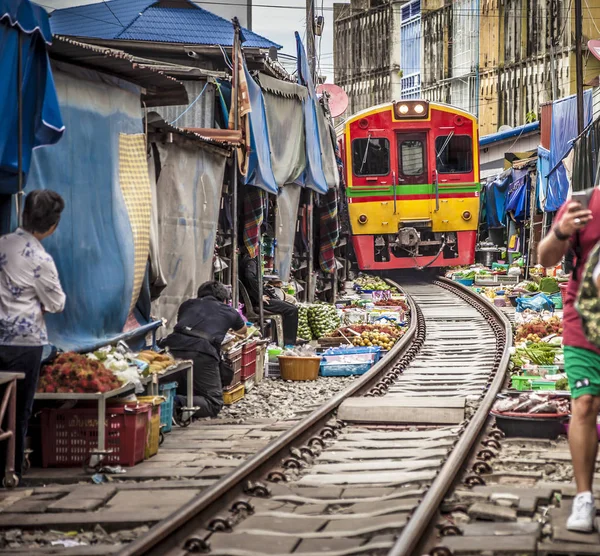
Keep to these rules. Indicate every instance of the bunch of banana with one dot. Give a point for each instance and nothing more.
(157, 362)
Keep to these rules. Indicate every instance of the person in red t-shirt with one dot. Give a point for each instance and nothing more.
(578, 228)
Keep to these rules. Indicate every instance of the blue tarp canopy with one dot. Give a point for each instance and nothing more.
(313, 177)
(564, 131)
(42, 123)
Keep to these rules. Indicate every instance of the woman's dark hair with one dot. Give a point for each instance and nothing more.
(216, 289)
(42, 210)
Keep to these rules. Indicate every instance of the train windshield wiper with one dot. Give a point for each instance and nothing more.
(441, 151)
(364, 160)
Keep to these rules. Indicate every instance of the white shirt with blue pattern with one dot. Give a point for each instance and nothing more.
(29, 285)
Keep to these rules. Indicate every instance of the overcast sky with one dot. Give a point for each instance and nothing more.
(275, 19)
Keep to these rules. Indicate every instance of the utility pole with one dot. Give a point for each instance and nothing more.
(311, 53)
(579, 66)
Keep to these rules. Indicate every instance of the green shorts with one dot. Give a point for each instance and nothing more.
(583, 371)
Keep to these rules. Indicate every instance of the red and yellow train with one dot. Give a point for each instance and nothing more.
(412, 185)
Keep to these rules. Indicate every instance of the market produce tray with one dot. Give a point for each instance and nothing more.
(548, 426)
(299, 368)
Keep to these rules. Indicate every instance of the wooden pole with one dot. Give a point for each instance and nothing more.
(234, 170)
(579, 66)
(310, 51)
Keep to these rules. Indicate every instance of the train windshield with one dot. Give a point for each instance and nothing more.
(454, 154)
(371, 156)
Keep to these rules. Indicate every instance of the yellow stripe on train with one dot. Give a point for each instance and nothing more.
(377, 217)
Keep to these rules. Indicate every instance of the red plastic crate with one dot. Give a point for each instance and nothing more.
(70, 435)
(248, 360)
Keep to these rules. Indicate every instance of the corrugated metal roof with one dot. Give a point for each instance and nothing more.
(514, 132)
(161, 89)
(148, 20)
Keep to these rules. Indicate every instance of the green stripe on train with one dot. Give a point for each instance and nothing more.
(401, 190)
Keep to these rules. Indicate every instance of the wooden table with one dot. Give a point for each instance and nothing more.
(8, 409)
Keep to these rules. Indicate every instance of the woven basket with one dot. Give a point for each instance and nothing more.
(299, 368)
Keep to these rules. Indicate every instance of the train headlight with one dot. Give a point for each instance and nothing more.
(466, 215)
(411, 109)
(362, 219)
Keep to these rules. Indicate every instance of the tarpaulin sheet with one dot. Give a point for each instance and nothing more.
(543, 167)
(495, 195)
(285, 122)
(93, 246)
(313, 177)
(188, 197)
(517, 200)
(327, 139)
(156, 280)
(42, 122)
(260, 171)
(286, 221)
(564, 130)
(586, 159)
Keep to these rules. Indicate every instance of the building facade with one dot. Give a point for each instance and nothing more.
(498, 59)
(366, 51)
(503, 60)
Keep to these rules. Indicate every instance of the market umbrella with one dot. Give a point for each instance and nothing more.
(28, 102)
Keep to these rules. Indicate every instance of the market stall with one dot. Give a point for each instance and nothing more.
(98, 391)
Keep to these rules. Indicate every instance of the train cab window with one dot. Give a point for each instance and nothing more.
(412, 158)
(454, 154)
(371, 156)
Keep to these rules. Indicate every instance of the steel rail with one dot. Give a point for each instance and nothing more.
(419, 523)
(170, 535)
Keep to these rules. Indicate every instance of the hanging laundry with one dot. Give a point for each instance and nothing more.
(254, 201)
(329, 230)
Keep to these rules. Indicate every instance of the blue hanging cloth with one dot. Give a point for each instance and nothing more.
(517, 200)
(313, 177)
(42, 123)
(496, 192)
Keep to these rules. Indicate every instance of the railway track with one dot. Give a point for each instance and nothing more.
(371, 479)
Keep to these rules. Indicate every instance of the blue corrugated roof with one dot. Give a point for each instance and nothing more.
(508, 134)
(148, 20)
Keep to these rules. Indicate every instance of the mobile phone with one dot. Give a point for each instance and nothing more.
(582, 197)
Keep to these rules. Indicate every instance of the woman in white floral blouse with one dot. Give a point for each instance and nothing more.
(29, 286)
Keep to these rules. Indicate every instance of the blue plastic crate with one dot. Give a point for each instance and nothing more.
(376, 350)
(169, 391)
(344, 369)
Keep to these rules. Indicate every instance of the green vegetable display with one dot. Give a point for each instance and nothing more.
(562, 384)
(539, 353)
(549, 285)
(323, 319)
(303, 326)
(372, 283)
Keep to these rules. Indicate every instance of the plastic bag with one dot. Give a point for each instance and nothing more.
(540, 302)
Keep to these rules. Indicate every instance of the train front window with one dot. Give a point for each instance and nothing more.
(454, 154)
(371, 156)
(412, 158)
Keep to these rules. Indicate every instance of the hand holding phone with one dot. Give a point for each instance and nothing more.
(582, 197)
